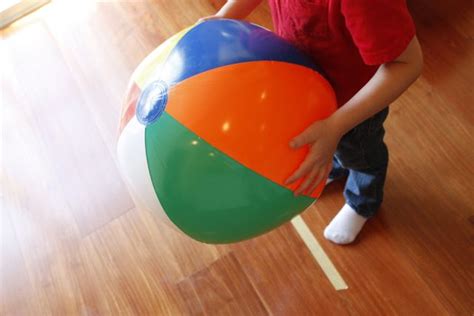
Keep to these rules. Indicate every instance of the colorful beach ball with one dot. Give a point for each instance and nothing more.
(205, 130)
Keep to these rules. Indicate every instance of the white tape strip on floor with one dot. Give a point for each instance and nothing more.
(318, 253)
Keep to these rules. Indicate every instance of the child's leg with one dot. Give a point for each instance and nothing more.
(363, 152)
(337, 171)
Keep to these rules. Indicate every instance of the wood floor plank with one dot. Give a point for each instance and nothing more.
(286, 276)
(144, 259)
(89, 178)
(221, 289)
(15, 286)
(93, 56)
(388, 283)
(131, 279)
(45, 229)
(448, 53)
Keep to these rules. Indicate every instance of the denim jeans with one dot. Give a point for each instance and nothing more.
(362, 156)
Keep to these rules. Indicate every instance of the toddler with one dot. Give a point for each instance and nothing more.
(369, 52)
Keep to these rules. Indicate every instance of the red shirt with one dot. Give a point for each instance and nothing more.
(348, 39)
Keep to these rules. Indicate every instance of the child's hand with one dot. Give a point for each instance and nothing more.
(234, 9)
(322, 137)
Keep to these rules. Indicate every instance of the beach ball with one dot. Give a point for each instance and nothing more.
(206, 125)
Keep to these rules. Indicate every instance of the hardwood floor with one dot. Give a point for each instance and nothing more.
(73, 243)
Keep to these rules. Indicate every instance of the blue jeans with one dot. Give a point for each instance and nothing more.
(362, 156)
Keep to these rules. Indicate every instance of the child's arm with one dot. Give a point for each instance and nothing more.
(235, 9)
(388, 83)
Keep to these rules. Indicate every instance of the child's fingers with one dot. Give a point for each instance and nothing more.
(321, 176)
(302, 139)
(309, 180)
(316, 182)
(303, 169)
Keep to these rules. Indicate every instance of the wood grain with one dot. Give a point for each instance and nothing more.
(221, 289)
(286, 276)
(13, 274)
(73, 243)
(81, 167)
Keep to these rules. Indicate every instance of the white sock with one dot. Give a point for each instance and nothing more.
(345, 226)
